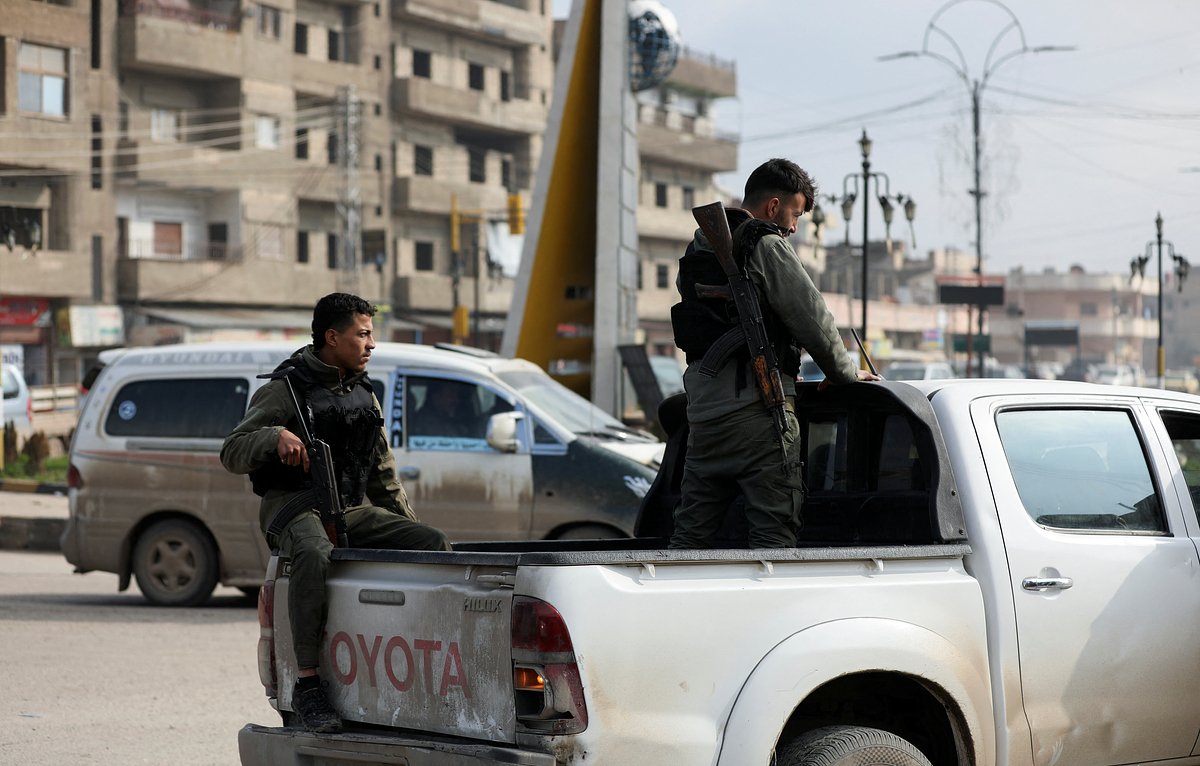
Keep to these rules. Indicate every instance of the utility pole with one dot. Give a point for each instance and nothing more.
(349, 204)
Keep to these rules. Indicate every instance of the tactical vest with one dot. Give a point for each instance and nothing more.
(349, 423)
(698, 322)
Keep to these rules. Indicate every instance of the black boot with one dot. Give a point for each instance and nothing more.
(313, 709)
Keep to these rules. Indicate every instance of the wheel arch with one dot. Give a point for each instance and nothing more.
(135, 533)
(854, 671)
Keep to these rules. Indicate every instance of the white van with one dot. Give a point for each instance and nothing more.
(18, 405)
(150, 499)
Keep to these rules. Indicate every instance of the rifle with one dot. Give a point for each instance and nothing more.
(325, 485)
(750, 331)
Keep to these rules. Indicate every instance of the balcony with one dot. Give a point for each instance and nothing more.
(46, 273)
(183, 39)
(707, 153)
(323, 78)
(665, 223)
(434, 292)
(486, 19)
(704, 74)
(230, 281)
(422, 194)
(182, 164)
(416, 95)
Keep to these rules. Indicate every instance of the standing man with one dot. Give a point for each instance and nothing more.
(330, 381)
(732, 444)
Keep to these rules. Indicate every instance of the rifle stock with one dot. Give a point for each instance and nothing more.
(712, 221)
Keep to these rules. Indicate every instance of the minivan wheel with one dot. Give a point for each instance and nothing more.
(849, 746)
(175, 563)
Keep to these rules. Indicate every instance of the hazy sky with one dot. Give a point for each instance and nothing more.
(1080, 149)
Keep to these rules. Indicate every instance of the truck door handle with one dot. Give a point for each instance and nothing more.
(1047, 583)
(410, 472)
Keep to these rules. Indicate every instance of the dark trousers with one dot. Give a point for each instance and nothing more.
(305, 543)
(739, 453)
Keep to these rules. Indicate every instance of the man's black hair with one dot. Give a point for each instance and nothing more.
(779, 178)
(336, 311)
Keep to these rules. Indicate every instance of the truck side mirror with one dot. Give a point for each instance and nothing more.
(502, 431)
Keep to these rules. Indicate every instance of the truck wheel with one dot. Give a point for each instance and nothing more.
(849, 746)
(175, 564)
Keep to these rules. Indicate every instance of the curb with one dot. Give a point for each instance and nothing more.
(21, 534)
(29, 485)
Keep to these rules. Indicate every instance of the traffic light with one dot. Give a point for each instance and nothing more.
(461, 324)
(516, 214)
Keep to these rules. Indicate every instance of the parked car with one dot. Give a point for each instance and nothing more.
(18, 404)
(1181, 380)
(149, 498)
(918, 371)
(1114, 375)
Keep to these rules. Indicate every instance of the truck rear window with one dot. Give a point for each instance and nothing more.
(200, 408)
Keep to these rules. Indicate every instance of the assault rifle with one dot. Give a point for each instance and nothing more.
(750, 331)
(324, 480)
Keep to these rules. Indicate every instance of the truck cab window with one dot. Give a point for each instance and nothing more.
(1080, 469)
(1184, 430)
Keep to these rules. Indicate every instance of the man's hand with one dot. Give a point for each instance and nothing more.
(862, 375)
(291, 450)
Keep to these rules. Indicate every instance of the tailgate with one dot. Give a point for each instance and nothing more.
(418, 646)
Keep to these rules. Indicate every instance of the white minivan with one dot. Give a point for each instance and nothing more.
(526, 459)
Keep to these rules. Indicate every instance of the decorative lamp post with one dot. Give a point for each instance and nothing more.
(1137, 268)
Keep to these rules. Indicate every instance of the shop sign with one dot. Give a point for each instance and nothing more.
(24, 312)
(89, 326)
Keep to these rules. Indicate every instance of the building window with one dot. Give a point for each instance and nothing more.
(662, 276)
(424, 256)
(639, 275)
(475, 76)
(301, 143)
(266, 131)
(42, 80)
(506, 173)
(423, 160)
(269, 19)
(1088, 309)
(168, 239)
(478, 164)
(164, 125)
(335, 45)
(421, 64)
(301, 38)
(302, 247)
(331, 148)
(689, 198)
(331, 250)
(660, 195)
(505, 86)
(97, 153)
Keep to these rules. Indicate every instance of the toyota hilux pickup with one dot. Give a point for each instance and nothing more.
(989, 572)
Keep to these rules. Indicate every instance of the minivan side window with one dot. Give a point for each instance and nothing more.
(450, 415)
(1184, 430)
(200, 408)
(11, 388)
(1080, 469)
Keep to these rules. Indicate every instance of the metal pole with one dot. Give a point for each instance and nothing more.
(978, 194)
(866, 201)
(1162, 357)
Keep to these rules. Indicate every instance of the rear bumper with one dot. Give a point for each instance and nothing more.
(269, 746)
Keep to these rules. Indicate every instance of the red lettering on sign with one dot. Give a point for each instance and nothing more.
(370, 655)
(394, 643)
(453, 673)
(426, 648)
(348, 677)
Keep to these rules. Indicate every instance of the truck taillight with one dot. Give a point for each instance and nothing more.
(74, 477)
(546, 683)
(266, 638)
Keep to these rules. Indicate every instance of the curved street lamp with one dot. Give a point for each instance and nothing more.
(1137, 268)
(975, 88)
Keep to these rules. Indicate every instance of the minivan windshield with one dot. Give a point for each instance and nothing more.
(568, 408)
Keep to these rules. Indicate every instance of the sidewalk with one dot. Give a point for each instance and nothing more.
(32, 515)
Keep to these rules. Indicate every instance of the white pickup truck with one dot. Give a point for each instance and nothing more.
(990, 572)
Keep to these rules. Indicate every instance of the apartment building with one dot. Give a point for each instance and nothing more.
(57, 222)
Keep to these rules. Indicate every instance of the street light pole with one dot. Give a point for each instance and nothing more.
(1138, 269)
(847, 201)
(975, 88)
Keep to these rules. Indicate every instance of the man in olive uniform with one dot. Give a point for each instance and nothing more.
(733, 445)
(331, 385)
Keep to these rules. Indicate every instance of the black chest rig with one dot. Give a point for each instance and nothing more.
(698, 322)
(349, 423)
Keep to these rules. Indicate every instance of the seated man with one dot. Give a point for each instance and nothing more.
(447, 411)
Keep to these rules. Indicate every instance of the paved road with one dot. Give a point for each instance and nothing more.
(93, 676)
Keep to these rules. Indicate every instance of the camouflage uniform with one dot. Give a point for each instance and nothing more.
(386, 521)
(732, 444)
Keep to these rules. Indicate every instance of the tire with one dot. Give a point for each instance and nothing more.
(175, 563)
(849, 746)
(589, 532)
